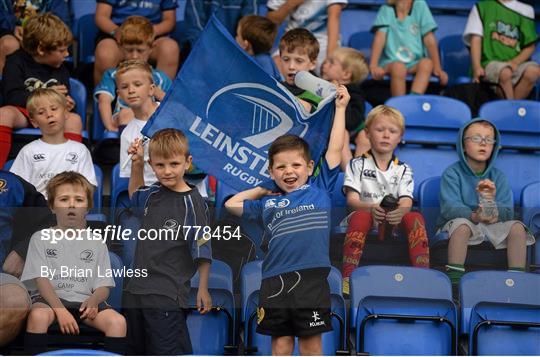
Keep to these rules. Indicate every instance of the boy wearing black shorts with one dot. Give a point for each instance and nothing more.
(294, 295)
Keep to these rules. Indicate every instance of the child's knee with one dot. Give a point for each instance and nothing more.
(531, 73)
(398, 70)
(168, 47)
(517, 231)
(425, 65)
(73, 123)
(8, 116)
(116, 325)
(8, 44)
(283, 345)
(505, 75)
(462, 232)
(38, 319)
(107, 51)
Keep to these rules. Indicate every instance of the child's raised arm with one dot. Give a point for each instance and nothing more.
(136, 179)
(235, 204)
(337, 135)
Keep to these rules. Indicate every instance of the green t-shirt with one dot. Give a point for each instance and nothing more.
(506, 32)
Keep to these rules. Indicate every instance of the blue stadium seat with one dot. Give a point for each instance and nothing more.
(362, 41)
(79, 8)
(78, 93)
(403, 311)
(426, 161)
(98, 129)
(257, 344)
(428, 202)
(115, 296)
(213, 333)
(521, 169)
(367, 108)
(431, 119)
(78, 352)
(530, 203)
(517, 120)
(455, 59)
(86, 32)
(223, 193)
(356, 20)
(501, 312)
(450, 23)
(119, 192)
(339, 205)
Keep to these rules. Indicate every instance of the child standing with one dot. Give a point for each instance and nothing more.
(70, 298)
(368, 179)
(469, 222)
(502, 37)
(294, 295)
(403, 34)
(321, 17)
(155, 304)
(136, 36)
(256, 35)
(42, 159)
(39, 64)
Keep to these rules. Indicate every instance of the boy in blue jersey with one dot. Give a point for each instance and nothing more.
(154, 305)
(294, 295)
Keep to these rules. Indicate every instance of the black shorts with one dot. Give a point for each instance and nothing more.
(71, 306)
(295, 304)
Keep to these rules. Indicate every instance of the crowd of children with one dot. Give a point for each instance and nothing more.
(475, 197)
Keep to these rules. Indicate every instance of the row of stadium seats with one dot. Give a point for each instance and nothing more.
(393, 310)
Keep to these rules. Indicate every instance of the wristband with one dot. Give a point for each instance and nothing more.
(112, 33)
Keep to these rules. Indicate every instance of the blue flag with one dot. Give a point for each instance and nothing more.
(232, 110)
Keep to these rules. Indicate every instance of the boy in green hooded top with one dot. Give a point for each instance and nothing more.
(469, 222)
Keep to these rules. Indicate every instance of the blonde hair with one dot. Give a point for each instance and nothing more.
(383, 110)
(46, 94)
(136, 30)
(354, 61)
(69, 178)
(45, 31)
(130, 65)
(168, 142)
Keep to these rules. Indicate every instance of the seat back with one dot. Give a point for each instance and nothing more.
(210, 333)
(497, 287)
(115, 295)
(119, 192)
(517, 120)
(384, 297)
(521, 169)
(98, 193)
(78, 93)
(455, 58)
(428, 202)
(86, 32)
(431, 118)
(530, 203)
(356, 20)
(362, 41)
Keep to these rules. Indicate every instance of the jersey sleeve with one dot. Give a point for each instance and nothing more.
(107, 85)
(104, 262)
(168, 5)
(427, 23)
(327, 177)
(35, 258)
(164, 81)
(252, 210)
(22, 165)
(353, 175)
(86, 167)
(406, 184)
(274, 4)
(382, 21)
(528, 31)
(474, 26)
(201, 246)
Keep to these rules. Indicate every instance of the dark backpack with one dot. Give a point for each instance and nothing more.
(474, 94)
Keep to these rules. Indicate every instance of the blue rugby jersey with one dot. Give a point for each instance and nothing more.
(297, 224)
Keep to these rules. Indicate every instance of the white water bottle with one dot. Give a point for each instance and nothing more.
(315, 85)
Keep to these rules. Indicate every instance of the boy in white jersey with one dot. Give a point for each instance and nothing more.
(294, 295)
(368, 179)
(136, 88)
(42, 159)
(69, 288)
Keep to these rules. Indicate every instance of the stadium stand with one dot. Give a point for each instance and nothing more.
(517, 120)
(431, 119)
(402, 310)
(334, 342)
(455, 59)
(500, 311)
(530, 203)
(214, 333)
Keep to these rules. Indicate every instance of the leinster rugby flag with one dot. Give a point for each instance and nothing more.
(231, 111)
